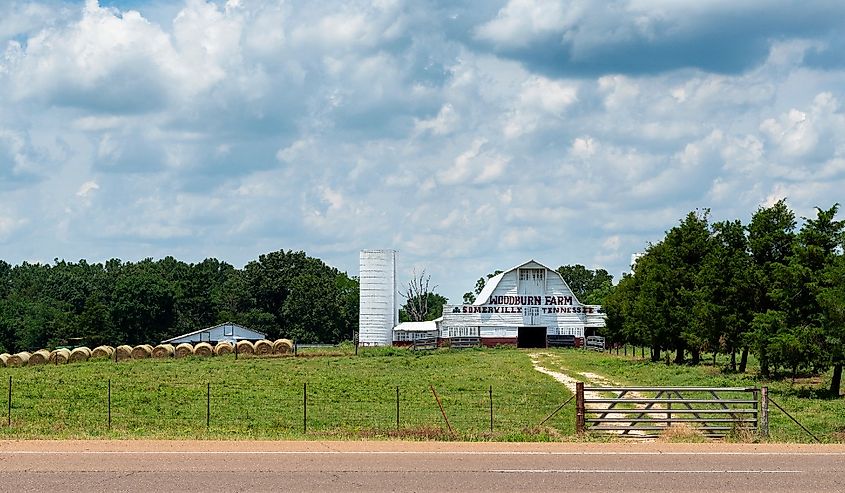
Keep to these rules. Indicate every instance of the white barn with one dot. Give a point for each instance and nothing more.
(523, 306)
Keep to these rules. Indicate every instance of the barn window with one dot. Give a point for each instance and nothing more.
(538, 275)
(228, 330)
(463, 331)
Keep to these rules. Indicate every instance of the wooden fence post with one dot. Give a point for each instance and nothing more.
(764, 412)
(580, 412)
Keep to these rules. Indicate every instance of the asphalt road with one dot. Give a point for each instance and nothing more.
(417, 466)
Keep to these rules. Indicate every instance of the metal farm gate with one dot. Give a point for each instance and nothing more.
(646, 412)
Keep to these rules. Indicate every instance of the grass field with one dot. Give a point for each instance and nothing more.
(345, 396)
(349, 396)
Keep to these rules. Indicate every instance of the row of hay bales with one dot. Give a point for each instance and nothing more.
(143, 351)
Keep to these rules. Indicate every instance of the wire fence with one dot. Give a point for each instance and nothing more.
(40, 406)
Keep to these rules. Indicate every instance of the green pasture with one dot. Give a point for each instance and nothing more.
(333, 393)
(321, 393)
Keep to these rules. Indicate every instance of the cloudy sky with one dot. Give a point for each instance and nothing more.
(469, 136)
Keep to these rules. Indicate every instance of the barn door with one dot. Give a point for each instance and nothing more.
(531, 315)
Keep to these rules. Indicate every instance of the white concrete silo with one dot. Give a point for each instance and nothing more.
(378, 311)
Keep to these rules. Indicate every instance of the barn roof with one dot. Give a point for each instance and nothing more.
(417, 326)
(494, 281)
(235, 326)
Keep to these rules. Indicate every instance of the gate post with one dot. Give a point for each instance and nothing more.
(579, 408)
(764, 412)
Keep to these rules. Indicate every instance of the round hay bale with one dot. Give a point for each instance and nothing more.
(263, 347)
(79, 354)
(60, 356)
(40, 357)
(223, 348)
(203, 349)
(102, 352)
(142, 351)
(4, 358)
(184, 349)
(122, 352)
(245, 347)
(18, 359)
(163, 351)
(282, 346)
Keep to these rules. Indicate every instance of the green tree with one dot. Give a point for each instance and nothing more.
(434, 307)
(831, 298)
(723, 309)
(469, 298)
(302, 294)
(771, 234)
(143, 307)
(588, 286)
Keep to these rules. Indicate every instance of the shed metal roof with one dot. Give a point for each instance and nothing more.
(238, 327)
(417, 326)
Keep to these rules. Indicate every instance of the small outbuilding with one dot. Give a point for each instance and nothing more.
(406, 333)
(228, 331)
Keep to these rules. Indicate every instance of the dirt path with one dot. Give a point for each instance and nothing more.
(594, 379)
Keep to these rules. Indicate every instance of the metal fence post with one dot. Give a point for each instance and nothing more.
(669, 410)
(208, 407)
(764, 412)
(304, 405)
(491, 409)
(579, 408)
(397, 406)
(10, 401)
(109, 403)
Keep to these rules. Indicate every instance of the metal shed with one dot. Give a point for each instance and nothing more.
(227, 331)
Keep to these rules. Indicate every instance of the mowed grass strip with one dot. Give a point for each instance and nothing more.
(347, 396)
(805, 400)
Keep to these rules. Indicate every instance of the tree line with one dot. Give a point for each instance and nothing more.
(283, 294)
(766, 287)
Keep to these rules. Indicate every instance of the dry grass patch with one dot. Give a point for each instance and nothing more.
(681, 432)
